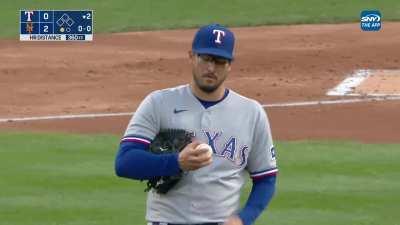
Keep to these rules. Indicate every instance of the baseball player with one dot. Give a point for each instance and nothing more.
(236, 128)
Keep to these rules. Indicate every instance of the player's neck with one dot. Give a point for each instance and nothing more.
(206, 96)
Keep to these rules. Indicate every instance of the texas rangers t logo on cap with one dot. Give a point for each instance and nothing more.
(219, 32)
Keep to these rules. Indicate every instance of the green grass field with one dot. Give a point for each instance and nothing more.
(126, 15)
(51, 179)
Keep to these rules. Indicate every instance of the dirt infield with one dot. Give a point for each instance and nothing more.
(273, 64)
(385, 82)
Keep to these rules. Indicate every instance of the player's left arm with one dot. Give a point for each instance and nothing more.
(262, 168)
(260, 195)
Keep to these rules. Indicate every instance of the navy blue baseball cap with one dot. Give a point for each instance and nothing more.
(214, 39)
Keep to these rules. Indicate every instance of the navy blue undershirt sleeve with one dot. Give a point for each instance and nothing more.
(260, 195)
(134, 161)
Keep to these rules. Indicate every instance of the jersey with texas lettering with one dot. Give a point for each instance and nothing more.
(238, 131)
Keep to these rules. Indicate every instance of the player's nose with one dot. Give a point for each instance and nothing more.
(210, 66)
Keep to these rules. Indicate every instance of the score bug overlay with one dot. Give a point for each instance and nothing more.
(56, 25)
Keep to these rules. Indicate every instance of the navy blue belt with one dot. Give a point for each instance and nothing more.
(158, 223)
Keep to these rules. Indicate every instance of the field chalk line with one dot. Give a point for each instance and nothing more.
(274, 105)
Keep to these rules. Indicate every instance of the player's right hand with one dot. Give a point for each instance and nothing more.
(191, 158)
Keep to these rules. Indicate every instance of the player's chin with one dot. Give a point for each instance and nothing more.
(209, 88)
(207, 84)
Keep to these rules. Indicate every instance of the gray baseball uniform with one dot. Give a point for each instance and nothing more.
(238, 131)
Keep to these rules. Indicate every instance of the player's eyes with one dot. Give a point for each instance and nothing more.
(217, 61)
(221, 61)
(206, 58)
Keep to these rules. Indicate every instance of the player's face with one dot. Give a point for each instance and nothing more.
(209, 72)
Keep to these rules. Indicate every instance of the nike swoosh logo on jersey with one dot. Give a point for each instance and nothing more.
(163, 149)
(179, 110)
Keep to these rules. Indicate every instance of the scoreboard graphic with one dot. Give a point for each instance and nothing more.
(56, 25)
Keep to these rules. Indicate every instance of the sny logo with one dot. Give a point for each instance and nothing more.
(370, 20)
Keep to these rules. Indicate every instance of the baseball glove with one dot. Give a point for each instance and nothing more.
(168, 141)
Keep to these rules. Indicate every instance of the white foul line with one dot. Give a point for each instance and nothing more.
(62, 117)
(274, 105)
(332, 102)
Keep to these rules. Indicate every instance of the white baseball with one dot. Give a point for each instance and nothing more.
(205, 146)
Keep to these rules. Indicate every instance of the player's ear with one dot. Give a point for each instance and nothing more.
(191, 56)
(229, 67)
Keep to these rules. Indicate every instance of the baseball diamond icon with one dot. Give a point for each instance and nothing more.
(65, 19)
